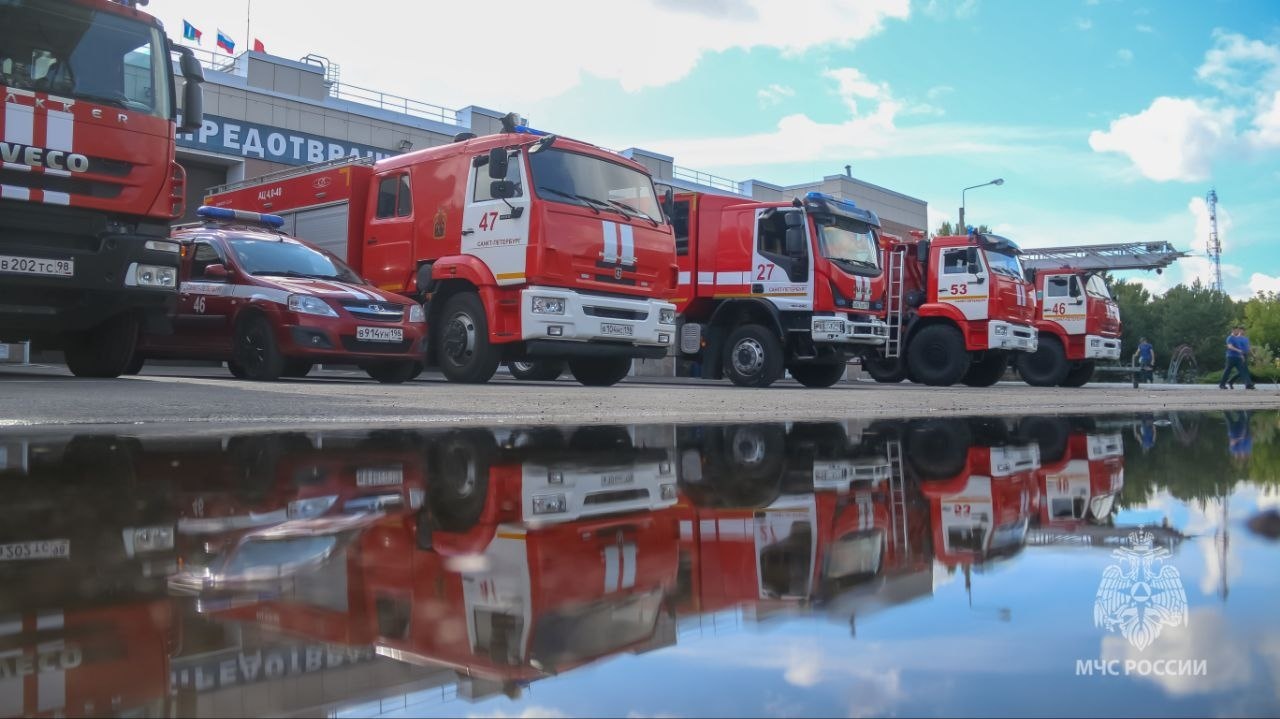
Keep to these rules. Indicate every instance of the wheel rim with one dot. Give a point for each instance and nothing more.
(748, 449)
(461, 472)
(459, 342)
(522, 366)
(748, 356)
(255, 345)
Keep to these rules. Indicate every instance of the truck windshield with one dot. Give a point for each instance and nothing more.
(846, 240)
(69, 50)
(1005, 264)
(1097, 287)
(562, 176)
(283, 258)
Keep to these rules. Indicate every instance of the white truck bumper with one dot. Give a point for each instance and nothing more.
(842, 330)
(1099, 347)
(588, 317)
(1003, 335)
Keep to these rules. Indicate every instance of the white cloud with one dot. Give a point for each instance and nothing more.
(852, 84)
(1084, 23)
(947, 9)
(1173, 139)
(938, 92)
(1124, 55)
(774, 94)
(1143, 27)
(1237, 64)
(1266, 134)
(530, 712)
(1259, 282)
(548, 52)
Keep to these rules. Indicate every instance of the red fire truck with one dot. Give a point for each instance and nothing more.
(1082, 471)
(1078, 321)
(89, 182)
(773, 286)
(956, 307)
(526, 246)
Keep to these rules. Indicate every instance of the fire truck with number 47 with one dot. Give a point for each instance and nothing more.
(526, 247)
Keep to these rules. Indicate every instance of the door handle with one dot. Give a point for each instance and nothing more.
(468, 232)
(372, 241)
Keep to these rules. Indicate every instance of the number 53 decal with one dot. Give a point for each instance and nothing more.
(959, 289)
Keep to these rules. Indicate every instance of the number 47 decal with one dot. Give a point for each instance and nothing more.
(489, 221)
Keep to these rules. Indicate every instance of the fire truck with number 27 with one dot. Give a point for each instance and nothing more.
(525, 246)
(89, 182)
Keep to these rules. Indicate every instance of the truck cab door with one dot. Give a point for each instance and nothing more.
(1064, 303)
(495, 229)
(963, 281)
(388, 249)
(782, 271)
(205, 300)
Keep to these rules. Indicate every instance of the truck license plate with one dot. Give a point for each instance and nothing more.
(612, 328)
(380, 334)
(379, 476)
(37, 266)
(43, 549)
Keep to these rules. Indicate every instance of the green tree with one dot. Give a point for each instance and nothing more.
(1262, 319)
(1196, 315)
(946, 228)
(1138, 319)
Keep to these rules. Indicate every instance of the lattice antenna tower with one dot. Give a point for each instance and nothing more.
(1215, 245)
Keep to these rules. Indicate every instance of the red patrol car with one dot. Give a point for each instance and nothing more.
(273, 305)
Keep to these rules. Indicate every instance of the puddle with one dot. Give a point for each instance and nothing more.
(1111, 565)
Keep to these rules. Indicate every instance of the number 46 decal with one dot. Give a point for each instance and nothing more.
(489, 221)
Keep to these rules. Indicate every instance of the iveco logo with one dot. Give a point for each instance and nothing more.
(321, 182)
(617, 273)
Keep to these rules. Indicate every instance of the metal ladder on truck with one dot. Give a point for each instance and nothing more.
(1096, 258)
(896, 273)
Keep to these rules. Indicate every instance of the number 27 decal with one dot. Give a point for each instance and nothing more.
(764, 271)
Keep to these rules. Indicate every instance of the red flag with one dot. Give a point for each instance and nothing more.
(258, 46)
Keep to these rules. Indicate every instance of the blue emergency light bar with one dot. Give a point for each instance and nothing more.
(226, 214)
(823, 202)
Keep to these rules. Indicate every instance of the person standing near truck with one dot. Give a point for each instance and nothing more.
(1146, 357)
(1237, 360)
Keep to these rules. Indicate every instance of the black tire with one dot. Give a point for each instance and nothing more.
(1079, 374)
(104, 351)
(602, 438)
(1047, 366)
(745, 466)
(885, 370)
(817, 375)
(1049, 433)
(459, 478)
(462, 341)
(256, 350)
(135, 364)
(600, 372)
(236, 370)
(753, 356)
(296, 368)
(394, 372)
(543, 370)
(937, 356)
(256, 460)
(938, 448)
(988, 370)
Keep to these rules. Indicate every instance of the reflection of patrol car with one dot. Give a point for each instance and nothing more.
(271, 306)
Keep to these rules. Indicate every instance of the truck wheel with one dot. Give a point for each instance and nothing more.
(104, 351)
(745, 466)
(1049, 433)
(465, 353)
(256, 350)
(536, 370)
(236, 370)
(1047, 366)
(988, 370)
(296, 368)
(600, 372)
(885, 370)
(817, 375)
(459, 479)
(394, 372)
(1079, 374)
(936, 356)
(753, 357)
(937, 448)
(135, 364)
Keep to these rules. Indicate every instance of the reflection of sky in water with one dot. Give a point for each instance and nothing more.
(939, 655)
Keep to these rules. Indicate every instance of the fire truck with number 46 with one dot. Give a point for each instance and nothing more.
(526, 246)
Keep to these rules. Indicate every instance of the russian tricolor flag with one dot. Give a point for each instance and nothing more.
(226, 43)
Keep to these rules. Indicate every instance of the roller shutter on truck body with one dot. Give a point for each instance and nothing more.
(325, 227)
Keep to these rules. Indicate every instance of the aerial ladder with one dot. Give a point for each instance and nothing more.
(1097, 258)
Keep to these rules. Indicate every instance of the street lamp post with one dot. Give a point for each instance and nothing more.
(962, 229)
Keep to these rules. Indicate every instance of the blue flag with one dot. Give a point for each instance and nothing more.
(189, 31)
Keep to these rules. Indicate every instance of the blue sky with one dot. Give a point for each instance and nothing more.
(1108, 119)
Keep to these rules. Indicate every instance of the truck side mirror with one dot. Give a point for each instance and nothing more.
(669, 204)
(502, 189)
(498, 164)
(192, 92)
(216, 271)
(795, 243)
(793, 219)
(1075, 288)
(922, 252)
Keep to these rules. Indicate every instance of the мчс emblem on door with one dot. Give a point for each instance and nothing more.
(437, 230)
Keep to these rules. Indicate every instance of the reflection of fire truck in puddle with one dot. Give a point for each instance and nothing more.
(828, 513)
(1082, 471)
(568, 556)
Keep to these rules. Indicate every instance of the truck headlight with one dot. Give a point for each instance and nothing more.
(667, 316)
(313, 507)
(155, 276)
(161, 246)
(416, 314)
(554, 477)
(833, 326)
(308, 305)
(1001, 331)
(141, 540)
(549, 504)
(548, 305)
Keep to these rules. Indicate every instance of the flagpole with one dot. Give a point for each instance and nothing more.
(248, 9)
